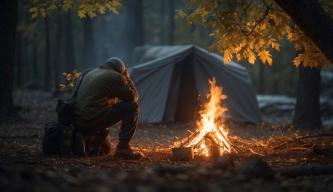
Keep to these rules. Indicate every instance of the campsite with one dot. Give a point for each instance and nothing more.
(165, 95)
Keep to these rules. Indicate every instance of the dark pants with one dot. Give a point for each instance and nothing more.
(126, 112)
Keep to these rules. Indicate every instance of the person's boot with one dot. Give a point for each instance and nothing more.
(105, 147)
(124, 151)
(99, 144)
(79, 144)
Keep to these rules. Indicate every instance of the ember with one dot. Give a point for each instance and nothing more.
(211, 136)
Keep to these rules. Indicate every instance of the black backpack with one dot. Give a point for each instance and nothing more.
(59, 136)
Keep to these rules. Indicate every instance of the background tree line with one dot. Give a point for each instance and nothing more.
(62, 40)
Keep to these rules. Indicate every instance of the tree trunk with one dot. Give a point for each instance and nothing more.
(171, 22)
(47, 67)
(35, 68)
(307, 110)
(57, 51)
(133, 31)
(8, 15)
(311, 18)
(162, 21)
(69, 47)
(19, 60)
(105, 45)
(88, 44)
(261, 86)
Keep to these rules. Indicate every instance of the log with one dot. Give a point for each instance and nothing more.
(190, 138)
(214, 151)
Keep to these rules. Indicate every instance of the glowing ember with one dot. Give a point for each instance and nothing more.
(211, 133)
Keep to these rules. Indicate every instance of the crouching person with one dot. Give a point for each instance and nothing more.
(106, 96)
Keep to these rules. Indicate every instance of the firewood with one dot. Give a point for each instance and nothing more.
(189, 139)
(300, 138)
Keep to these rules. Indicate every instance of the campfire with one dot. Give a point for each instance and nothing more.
(211, 137)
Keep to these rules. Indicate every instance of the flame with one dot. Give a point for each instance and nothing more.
(211, 131)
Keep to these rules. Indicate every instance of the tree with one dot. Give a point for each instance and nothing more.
(70, 61)
(19, 59)
(313, 20)
(162, 18)
(84, 8)
(167, 22)
(8, 24)
(306, 15)
(171, 22)
(57, 51)
(261, 85)
(133, 29)
(8, 15)
(248, 30)
(47, 67)
(307, 109)
(88, 43)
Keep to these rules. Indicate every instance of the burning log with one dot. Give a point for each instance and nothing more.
(210, 138)
(189, 139)
(214, 149)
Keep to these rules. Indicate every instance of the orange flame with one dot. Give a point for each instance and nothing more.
(210, 125)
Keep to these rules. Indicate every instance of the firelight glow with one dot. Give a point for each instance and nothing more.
(210, 128)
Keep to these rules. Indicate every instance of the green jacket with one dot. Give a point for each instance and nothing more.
(96, 89)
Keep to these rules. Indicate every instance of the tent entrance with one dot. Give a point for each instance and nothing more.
(182, 104)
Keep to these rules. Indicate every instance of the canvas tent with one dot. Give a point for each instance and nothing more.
(173, 81)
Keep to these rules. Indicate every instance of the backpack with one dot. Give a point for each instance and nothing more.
(59, 136)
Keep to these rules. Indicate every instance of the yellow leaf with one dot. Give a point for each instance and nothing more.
(238, 56)
(67, 4)
(81, 14)
(251, 56)
(180, 13)
(276, 46)
(265, 57)
(227, 56)
(298, 60)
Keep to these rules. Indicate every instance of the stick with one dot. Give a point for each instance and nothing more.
(317, 135)
(190, 138)
(303, 137)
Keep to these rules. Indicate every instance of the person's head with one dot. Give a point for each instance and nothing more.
(117, 64)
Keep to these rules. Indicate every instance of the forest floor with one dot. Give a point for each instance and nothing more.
(279, 152)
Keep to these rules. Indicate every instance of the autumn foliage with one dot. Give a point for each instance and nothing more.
(250, 30)
(84, 8)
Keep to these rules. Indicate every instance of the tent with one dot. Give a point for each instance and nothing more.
(173, 82)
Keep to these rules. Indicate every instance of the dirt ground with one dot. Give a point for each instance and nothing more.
(23, 167)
